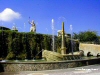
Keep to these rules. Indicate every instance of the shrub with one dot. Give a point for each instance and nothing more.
(11, 56)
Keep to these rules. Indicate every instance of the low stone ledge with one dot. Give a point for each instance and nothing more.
(40, 66)
(12, 67)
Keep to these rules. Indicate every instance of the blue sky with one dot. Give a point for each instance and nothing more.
(83, 15)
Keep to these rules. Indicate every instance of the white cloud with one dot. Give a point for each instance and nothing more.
(9, 15)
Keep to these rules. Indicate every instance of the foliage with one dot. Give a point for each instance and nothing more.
(21, 56)
(47, 42)
(21, 45)
(11, 56)
(87, 36)
(59, 44)
(3, 43)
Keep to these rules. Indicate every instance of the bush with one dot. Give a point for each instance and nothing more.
(11, 56)
(28, 45)
(22, 56)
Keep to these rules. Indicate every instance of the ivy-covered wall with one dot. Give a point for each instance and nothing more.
(20, 45)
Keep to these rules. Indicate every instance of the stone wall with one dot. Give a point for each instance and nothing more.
(40, 66)
(93, 48)
(13, 67)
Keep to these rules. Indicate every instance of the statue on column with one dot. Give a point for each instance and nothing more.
(33, 27)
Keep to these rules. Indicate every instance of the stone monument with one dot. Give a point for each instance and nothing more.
(52, 56)
(33, 27)
(63, 48)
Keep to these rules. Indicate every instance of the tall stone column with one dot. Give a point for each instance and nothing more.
(63, 48)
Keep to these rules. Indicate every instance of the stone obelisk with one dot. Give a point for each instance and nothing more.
(63, 48)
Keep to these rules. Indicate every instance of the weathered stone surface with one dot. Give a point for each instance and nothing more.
(40, 66)
(52, 56)
(93, 48)
(72, 57)
(16, 67)
(78, 53)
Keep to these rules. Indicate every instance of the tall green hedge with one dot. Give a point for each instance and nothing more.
(22, 45)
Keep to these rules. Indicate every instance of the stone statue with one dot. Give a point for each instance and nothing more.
(14, 28)
(33, 27)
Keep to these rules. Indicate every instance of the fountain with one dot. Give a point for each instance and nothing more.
(53, 40)
(24, 27)
(54, 56)
(53, 60)
(71, 39)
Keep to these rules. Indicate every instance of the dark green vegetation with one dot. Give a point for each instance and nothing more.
(18, 45)
(87, 36)
(4, 28)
